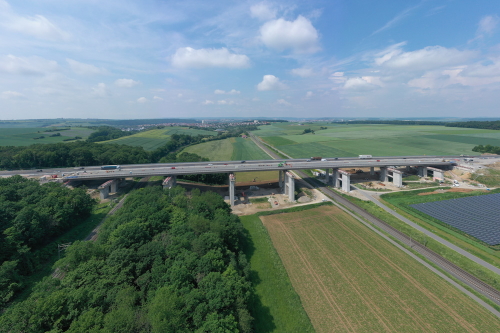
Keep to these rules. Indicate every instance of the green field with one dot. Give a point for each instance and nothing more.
(278, 308)
(25, 136)
(376, 140)
(232, 149)
(155, 138)
(403, 200)
(351, 280)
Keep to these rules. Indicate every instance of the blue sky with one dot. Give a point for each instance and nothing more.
(148, 59)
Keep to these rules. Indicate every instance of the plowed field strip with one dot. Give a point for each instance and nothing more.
(325, 292)
(459, 319)
(375, 310)
(350, 280)
(381, 283)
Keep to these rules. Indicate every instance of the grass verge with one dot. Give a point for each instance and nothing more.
(276, 306)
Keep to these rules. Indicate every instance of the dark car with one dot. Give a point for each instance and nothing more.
(243, 161)
(39, 170)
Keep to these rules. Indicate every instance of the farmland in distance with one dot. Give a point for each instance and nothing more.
(351, 280)
(377, 140)
(26, 136)
(155, 138)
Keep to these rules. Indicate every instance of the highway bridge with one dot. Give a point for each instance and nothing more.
(174, 169)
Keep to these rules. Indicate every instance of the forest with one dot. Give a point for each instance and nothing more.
(492, 125)
(104, 133)
(31, 216)
(165, 262)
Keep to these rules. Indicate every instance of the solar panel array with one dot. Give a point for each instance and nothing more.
(477, 216)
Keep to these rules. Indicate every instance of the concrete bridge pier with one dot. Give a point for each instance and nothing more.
(397, 177)
(372, 171)
(107, 187)
(232, 181)
(327, 176)
(281, 177)
(335, 176)
(170, 182)
(422, 171)
(436, 173)
(384, 177)
(346, 181)
(290, 186)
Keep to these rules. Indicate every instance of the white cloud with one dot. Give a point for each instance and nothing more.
(126, 83)
(262, 11)
(271, 82)
(208, 102)
(298, 35)
(224, 102)
(222, 92)
(309, 94)
(85, 69)
(428, 58)
(158, 98)
(27, 65)
(360, 84)
(37, 26)
(187, 57)
(396, 19)
(302, 72)
(142, 100)
(283, 102)
(100, 90)
(486, 26)
(11, 95)
(179, 95)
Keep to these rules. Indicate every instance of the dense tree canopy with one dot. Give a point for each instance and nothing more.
(166, 262)
(104, 133)
(31, 215)
(487, 149)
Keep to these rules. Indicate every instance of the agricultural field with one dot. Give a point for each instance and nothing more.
(234, 149)
(155, 138)
(351, 280)
(25, 136)
(377, 140)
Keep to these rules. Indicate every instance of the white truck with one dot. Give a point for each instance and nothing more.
(365, 156)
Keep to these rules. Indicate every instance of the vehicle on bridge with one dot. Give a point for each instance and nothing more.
(365, 156)
(316, 158)
(110, 167)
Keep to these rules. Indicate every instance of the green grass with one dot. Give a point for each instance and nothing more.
(155, 138)
(277, 307)
(376, 140)
(219, 150)
(24, 136)
(246, 149)
(259, 176)
(490, 177)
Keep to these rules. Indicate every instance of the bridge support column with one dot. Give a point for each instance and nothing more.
(290, 186)
(281, 177)
(372, 171)
(335, 176)
(170, 182)
(436, 173)
(346, 182)
(327, 176)
(408, 168)
(422, 171)
(232, 181)
(383, 174)
(114, 186)
(397, 179)
(105, 188)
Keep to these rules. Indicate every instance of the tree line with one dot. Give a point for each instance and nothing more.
(165, 262)
(31, 216)
(487, 149)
